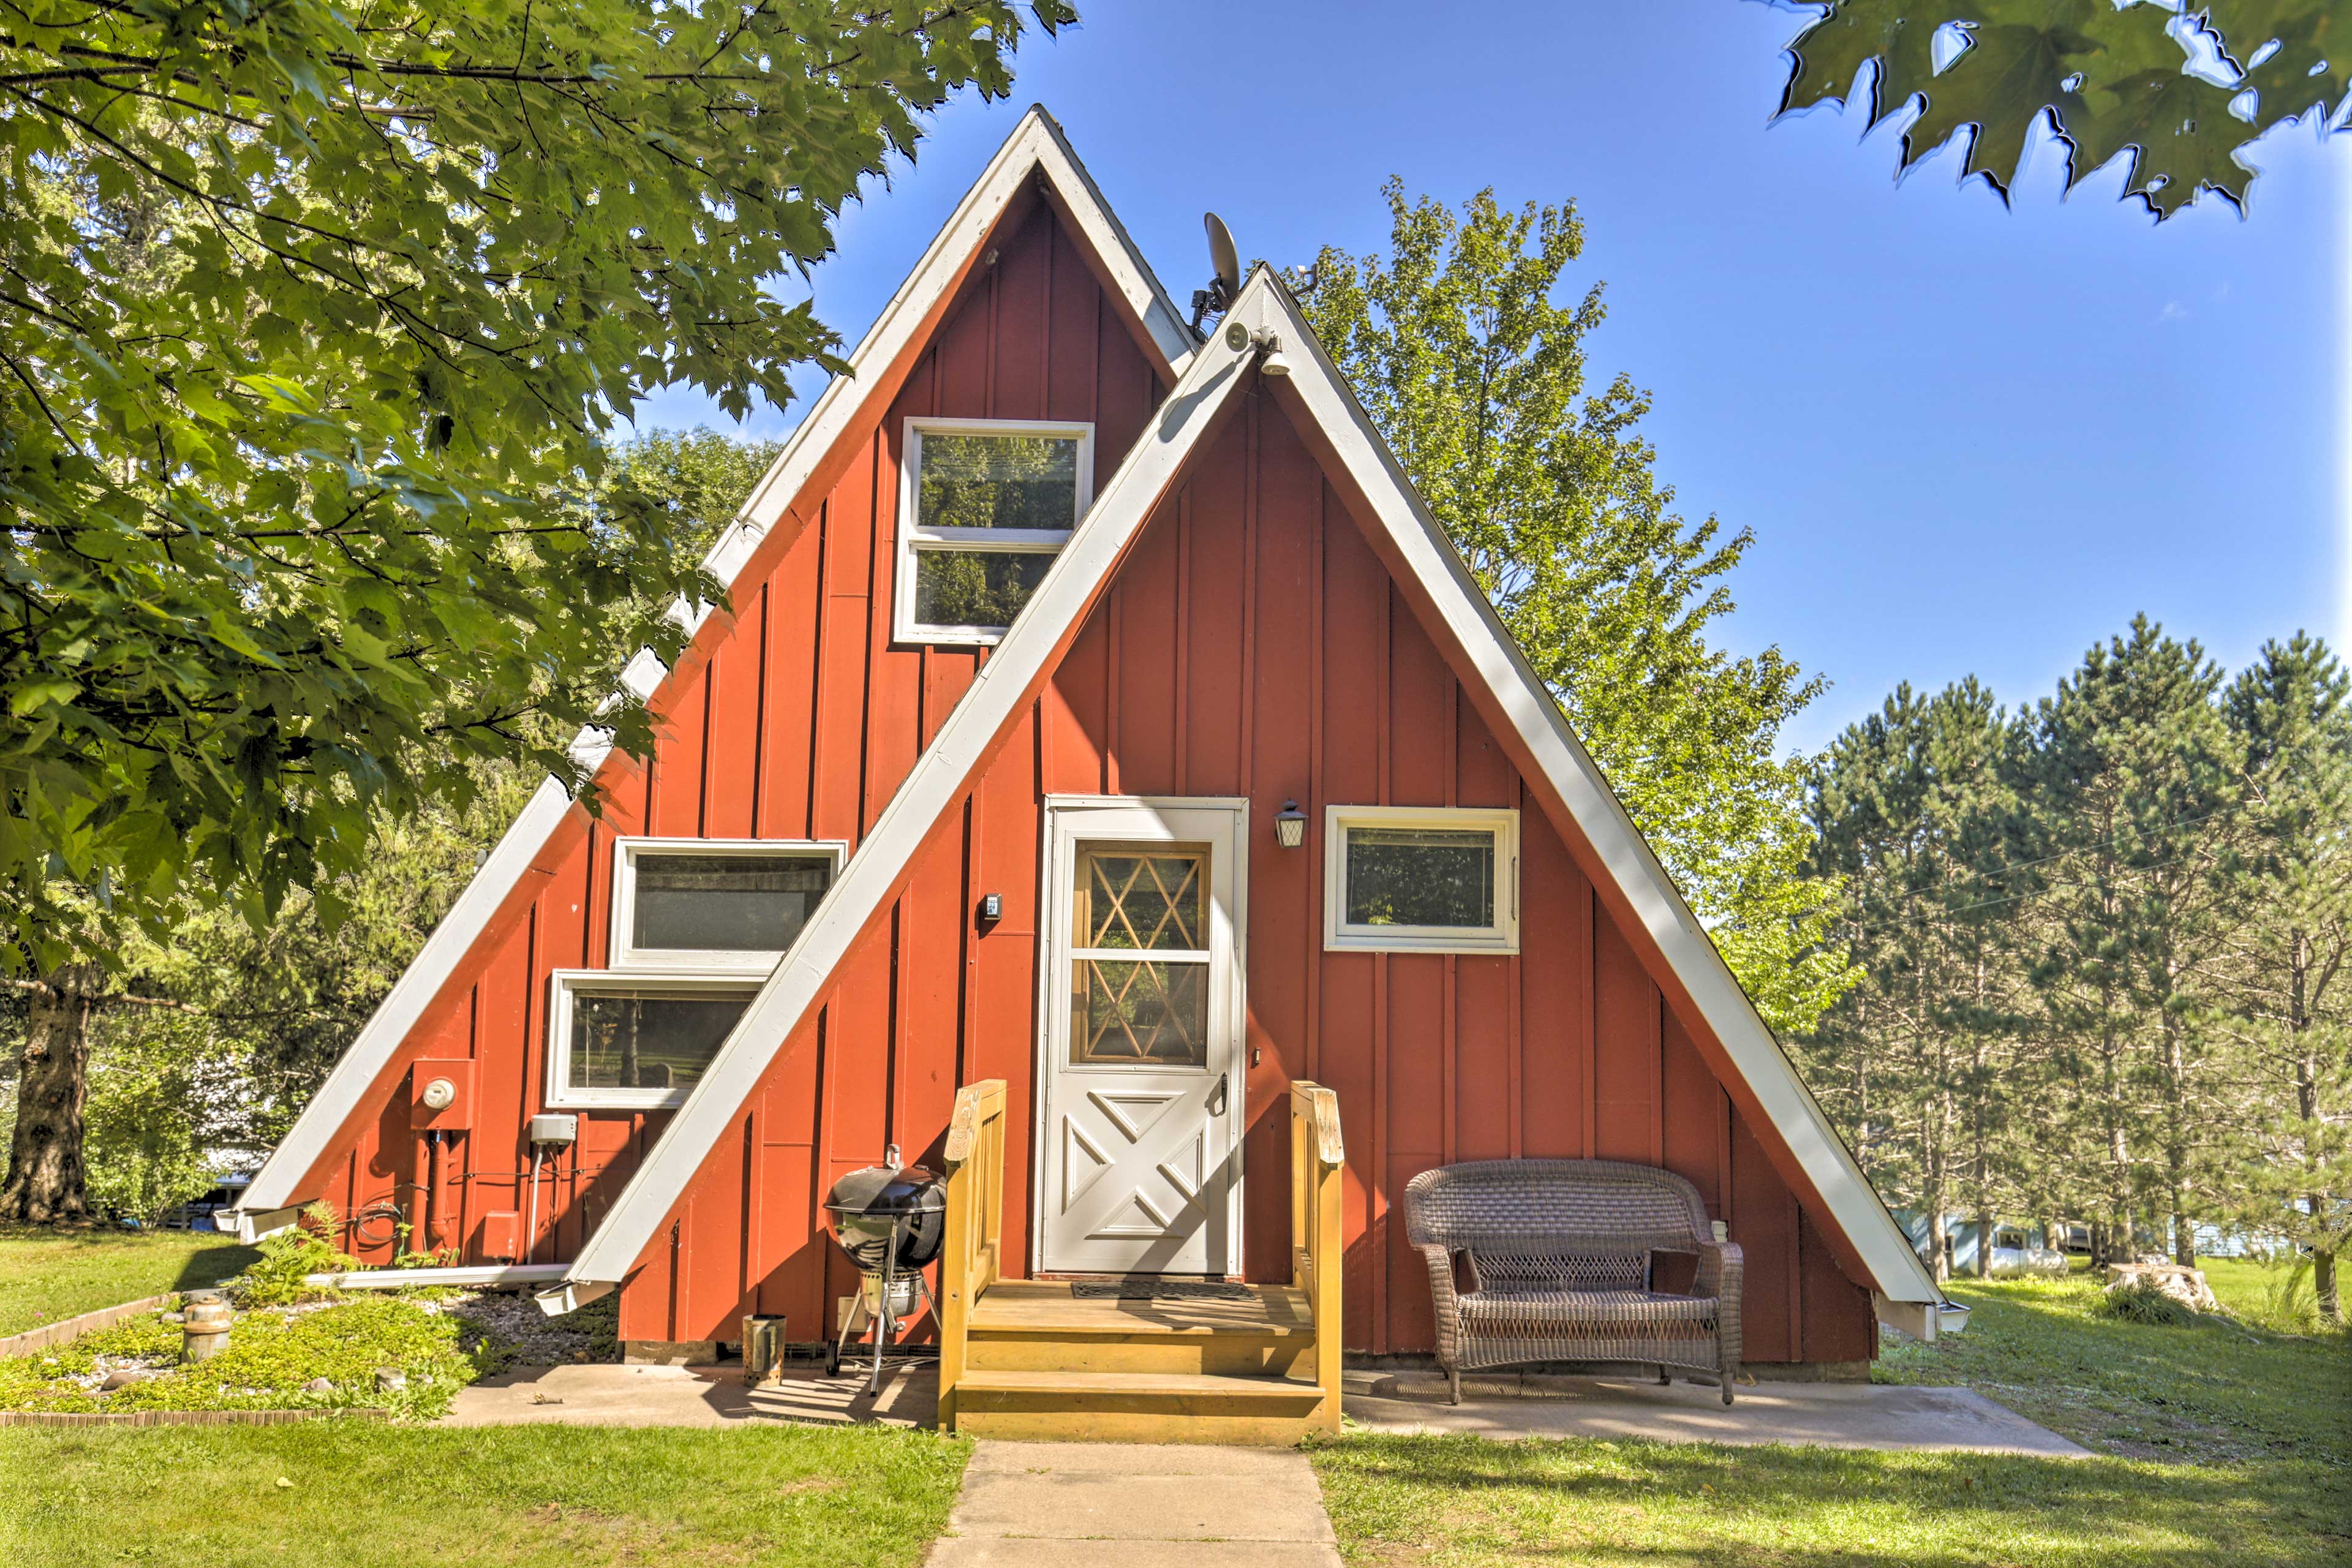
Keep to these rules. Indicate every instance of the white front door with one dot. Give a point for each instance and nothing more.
(1140, 1069)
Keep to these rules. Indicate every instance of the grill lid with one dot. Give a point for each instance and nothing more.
(887, 1190)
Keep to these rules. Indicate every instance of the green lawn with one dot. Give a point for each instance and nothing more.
(45, 1275)
(2213, 1443)
(362, 1496)
(2214, 1392)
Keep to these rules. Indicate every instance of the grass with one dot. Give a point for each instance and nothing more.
(513, 1497)
(2221, 1442)
(1467, 1503)
(45, 1275)
(2212, 1391)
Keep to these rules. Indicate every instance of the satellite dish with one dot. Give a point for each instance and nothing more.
(1227, 283)
(1222, 255)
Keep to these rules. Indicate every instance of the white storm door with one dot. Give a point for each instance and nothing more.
(1142, 1114)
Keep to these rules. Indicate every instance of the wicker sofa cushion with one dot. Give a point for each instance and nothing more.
(1514, 1312)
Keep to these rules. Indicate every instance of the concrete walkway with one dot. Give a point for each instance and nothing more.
(1079, 1505)
(1832, 1414)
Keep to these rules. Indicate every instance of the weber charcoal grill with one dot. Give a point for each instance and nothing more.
(891, 1219)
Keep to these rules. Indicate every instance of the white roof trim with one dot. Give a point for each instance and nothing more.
(274, 1185)
(1036, 144)
(938, 777)
(873, 873)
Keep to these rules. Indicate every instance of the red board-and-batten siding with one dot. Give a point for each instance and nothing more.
(796, 719)
(1251, 645)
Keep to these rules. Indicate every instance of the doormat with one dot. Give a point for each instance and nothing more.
(1150, 1288)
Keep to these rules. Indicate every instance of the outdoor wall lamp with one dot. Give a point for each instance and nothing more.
(1290, 825)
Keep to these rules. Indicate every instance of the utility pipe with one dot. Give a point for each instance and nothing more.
(432, 1194)
(531, 1234)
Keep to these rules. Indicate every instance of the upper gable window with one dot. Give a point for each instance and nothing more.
(729, 904)
(1420, 879)
(985, 505)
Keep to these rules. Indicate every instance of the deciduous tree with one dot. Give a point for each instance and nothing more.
(1477, 376)
(309, 319)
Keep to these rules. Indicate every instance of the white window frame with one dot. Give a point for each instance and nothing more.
(566, 983)
(627, 956)
(912, 539)
(1500, 937)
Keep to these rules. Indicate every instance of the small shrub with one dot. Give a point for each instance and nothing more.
(279, 1278)
(2140, 1301)
(2290, 1306)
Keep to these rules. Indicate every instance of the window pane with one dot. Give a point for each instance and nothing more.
(975, 588)
(726, 903)
(1421, 876)
(646, 1040)
(1129, 1011)
(1140, 900)
(997, 481)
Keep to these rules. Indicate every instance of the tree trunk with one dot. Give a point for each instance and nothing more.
(2323, 1283)
(46, 1178)
(1984, 1241)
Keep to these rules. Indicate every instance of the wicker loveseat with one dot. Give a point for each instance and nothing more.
(1535, 1260)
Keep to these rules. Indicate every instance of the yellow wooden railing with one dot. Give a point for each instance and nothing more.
(975, 1226)
(1317, 1159)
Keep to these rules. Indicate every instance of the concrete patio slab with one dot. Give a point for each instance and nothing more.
(1058, 1505)
(1497, 1404)
(1825, 1415)
(610, 1395)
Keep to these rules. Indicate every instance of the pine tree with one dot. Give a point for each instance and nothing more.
(2288, 1000)
(1906, 807)
(2125, 795)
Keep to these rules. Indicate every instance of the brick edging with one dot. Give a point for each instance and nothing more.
(183, 1418)
(73, 1328)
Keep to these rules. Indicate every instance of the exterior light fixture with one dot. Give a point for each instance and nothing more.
(1273, 363)
(1290, 825)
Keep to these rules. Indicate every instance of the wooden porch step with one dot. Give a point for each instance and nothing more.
(1142, 1385)
(1025, 1326)
(1049, 1306)
(1134, 1406)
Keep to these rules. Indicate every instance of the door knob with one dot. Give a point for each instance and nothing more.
(1224, 1082)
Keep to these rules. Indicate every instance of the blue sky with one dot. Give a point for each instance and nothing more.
(1968, 439)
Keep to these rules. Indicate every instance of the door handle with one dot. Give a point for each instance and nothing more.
(1224, 1084)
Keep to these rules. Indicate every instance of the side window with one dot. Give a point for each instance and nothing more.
(714, 904)
(1422, 879)
(636, 1041)
(984, 507)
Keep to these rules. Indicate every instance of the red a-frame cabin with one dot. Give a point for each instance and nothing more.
(1041, 621)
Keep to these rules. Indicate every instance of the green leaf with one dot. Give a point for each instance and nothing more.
(2112, 82)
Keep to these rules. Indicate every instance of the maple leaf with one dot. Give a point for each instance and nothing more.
(2110, 81)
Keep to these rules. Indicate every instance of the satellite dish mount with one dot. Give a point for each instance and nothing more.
(1218, 296)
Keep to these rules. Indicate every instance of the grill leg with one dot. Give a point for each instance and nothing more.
(885, 1330)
